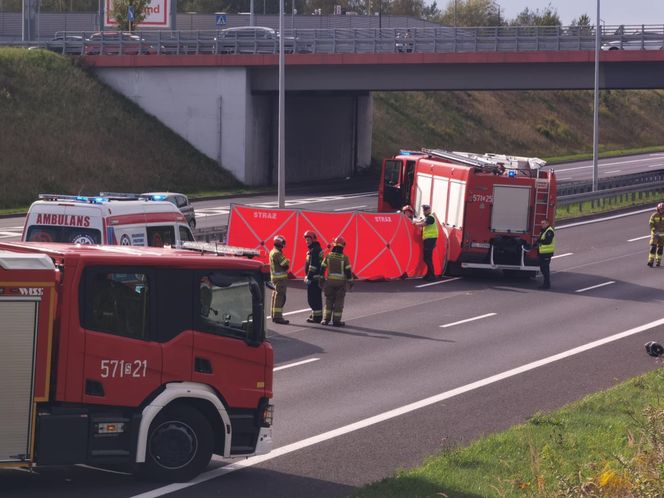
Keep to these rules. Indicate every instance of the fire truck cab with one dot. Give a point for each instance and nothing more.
(125, 221)
(490, 205)
(154, 358)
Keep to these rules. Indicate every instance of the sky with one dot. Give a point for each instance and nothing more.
(612, 12)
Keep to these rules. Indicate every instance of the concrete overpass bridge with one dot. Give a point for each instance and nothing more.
(226, 104)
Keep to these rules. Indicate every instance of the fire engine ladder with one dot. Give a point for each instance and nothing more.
(459, 158)
(542, 193)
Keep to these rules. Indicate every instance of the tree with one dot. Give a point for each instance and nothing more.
(527, 17)
(581, 26)
(120, 11)
(471, 13)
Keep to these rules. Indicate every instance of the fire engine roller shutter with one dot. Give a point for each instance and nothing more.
(379, 245)
(511, 207)
(18, 329)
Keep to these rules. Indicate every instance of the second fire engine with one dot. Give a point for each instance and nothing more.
(490, 205)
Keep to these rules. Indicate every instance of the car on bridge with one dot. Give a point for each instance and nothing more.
(639, 41)
(117, 43)
(256, 40)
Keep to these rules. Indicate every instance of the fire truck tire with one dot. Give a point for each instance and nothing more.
(179, 446)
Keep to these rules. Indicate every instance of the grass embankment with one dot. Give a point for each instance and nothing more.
(609, 444)
(65, 132)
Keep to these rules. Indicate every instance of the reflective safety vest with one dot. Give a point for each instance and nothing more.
(430, 231)
(337, 264)
(547, 248)
(278, 264)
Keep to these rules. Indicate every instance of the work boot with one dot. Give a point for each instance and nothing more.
(338, 324)
(659, 263)
(325, 322)
(650, 264)
(280, 320)
(313, 320)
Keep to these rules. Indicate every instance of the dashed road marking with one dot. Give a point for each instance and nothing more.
(296, 364)
(596, 286)
(467, 320)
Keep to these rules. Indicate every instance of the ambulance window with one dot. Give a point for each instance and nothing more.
(117, 303)
(161, 236)
(72, 235)
(185, 235)
(230, 304)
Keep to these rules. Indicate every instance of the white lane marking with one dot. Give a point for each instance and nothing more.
(297, 364)
(397, 412)
(612, 171)
(562, 255)
(350, 208)
(437, 282)
(103, 470)
(565, 178)
(292, 312)
(607, 164)
(607, 218)
(656, 165)
(5, 235)
(596, 286)
(312, 200)
(467, 320)
(638, 238)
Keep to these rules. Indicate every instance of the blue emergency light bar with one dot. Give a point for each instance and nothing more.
(79, 198)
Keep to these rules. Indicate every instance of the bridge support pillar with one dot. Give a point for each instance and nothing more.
(327, 135)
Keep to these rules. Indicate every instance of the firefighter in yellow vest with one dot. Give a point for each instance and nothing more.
(279, 276)
(656, 236)
(546, 246)
(339, 276)
(429, 238)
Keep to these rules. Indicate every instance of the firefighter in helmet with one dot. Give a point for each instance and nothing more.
(312, 269)
(339, 277)
(279, 276)
(429, 226)
(656, 236)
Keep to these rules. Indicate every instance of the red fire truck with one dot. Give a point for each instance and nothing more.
(151, 357)
(490, 205)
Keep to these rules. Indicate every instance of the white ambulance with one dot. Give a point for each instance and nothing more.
(79, 219)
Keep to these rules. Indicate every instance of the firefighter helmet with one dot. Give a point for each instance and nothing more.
(654, 349)
(407, 207)
(311, 234)
(660, 208)
(279, 241)
(339, 241)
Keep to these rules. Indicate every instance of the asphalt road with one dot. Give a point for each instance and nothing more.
(422, 367)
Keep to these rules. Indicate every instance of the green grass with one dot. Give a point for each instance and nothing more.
(65, 132)
(610, 443)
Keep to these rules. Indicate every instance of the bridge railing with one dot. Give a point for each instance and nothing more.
(261, 40)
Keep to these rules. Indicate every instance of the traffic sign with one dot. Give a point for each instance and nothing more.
(221, 19)
(130, 13)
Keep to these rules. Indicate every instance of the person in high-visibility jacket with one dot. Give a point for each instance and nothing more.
(339, 277)
(429, 237)
(546, 246)
(656, 236)
(279, 276)
(312, 269)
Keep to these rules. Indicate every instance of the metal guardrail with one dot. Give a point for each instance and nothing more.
(635, 188)
(261, 40)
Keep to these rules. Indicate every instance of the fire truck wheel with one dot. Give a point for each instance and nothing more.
(179, 446)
